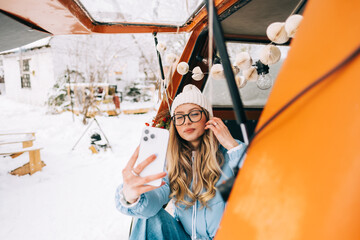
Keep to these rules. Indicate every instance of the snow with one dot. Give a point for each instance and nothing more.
(39, 43)
(73, 196)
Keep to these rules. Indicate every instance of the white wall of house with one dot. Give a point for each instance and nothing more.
(2, 89)
(41, 76)
(50, 57)
(2, 84)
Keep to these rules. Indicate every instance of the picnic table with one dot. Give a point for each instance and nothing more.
(14, 144)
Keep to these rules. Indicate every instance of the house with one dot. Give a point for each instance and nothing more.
(28, 73)
(2, 80)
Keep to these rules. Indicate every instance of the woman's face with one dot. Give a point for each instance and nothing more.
(191, 131)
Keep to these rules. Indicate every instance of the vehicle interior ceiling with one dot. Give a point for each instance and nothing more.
(245, 23)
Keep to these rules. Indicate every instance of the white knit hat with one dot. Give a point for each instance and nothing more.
(191, 94)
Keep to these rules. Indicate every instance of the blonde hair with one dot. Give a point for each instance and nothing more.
(206, 172)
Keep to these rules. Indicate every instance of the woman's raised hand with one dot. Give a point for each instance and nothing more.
(221, 132)
(134, 185)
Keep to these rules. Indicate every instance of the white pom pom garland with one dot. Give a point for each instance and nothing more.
(292, 24)
(197, 74)
(243, 60)
(217, 72)
(270, 55)
(182, 68)
(240, 81)
(251, 74)
(161, 47)
(171, 58)
(276, 32)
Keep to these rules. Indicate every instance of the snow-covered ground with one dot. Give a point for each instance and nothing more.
(73, 196)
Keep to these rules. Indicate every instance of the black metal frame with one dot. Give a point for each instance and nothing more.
(229, 75)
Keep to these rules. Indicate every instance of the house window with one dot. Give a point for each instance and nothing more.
(26, 65)
(25, 73)
(25, 81)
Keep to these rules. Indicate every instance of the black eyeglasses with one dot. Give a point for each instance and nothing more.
(194, 116)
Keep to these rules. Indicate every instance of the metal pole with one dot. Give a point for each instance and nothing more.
(103, 133)
(82, 135)
(229, 75)
(159, 57)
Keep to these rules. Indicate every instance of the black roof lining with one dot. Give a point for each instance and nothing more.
(252, 17)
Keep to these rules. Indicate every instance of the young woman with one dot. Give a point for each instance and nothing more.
(201, 154)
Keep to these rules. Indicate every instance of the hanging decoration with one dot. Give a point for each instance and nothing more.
(217, 72)
(243, 60)
(163, 83)
(292, 24)
(171, 58)
(276, 33)
(250, 74)
(182, 68)
(197, 74)
(270, 54)
(161, 47)
(240, 81)
(245, 70)
(264, 80)
(235, 69)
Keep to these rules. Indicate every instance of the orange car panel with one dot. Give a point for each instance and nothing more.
(301, 177)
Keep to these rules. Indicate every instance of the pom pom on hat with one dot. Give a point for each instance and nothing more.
(191, 94)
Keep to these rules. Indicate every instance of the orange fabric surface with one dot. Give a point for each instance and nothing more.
(301, 177)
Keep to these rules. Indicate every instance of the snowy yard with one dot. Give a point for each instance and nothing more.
(73, 196)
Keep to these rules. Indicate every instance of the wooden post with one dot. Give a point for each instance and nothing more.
(106, 89)
(68, 90)
(35, 162)
(27, 144)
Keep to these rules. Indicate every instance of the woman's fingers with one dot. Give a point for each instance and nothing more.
(140, 167)
(221, 132)
(216, 122)
(136, 181)
(151, 178)
(134, 185)
(216, 125)
(139, 185)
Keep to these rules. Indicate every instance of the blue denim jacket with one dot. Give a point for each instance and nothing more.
(208, 218)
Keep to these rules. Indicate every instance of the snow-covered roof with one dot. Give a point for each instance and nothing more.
(45, 42)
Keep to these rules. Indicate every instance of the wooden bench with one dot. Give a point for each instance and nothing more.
(35, 164)
(26, 138)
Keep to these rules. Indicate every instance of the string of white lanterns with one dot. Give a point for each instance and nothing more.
(278, 32)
